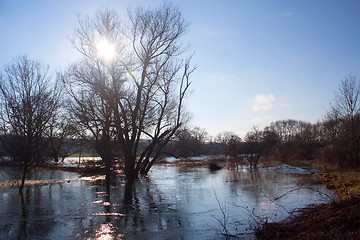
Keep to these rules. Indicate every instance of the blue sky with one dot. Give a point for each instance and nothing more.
(259, 61)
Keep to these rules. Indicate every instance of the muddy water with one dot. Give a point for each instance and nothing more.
(172, 203)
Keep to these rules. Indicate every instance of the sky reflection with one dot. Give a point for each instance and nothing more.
(172, 203)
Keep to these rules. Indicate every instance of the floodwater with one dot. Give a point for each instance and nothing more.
(171, 203)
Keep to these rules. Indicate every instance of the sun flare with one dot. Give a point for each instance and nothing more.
(105, 50)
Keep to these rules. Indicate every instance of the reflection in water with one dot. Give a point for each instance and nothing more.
(22, 228)
(106, 232)
(173, 203)
(132, 211)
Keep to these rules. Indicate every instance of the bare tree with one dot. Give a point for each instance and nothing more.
(58, 135)
(136, 91)
(347, 106)
(347, 98)
(189, 142)
(331, 126)
(161, 81)
(28, 102)
(95, 84)
(253, 147)
(287, 130)
(224, 137)
(233, 150)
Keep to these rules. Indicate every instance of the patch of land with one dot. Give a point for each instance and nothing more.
(35, 182)
(339, 219)
(345, 183)
(187, 162)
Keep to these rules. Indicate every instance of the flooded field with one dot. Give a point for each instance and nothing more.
(172, 203)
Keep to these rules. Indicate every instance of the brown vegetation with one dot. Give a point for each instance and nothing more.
(337, 220)
(189, 163)
(345, 183)
(324, 221)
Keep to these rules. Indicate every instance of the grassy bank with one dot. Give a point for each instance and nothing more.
(339, 219)
(345, 183)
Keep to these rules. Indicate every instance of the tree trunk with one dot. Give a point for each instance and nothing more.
(26, 160)
(144, 166)
(23, 177)
(108, 164)
(106, 151)
(130, 173)
(107, 157)
(129, 193)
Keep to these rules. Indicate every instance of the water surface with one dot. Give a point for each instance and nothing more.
(171, 203)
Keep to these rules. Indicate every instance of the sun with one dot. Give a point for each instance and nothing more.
(105, 50)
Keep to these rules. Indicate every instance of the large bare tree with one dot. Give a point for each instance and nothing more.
(161, 82)
(96, 82)
(28, 103)
(131, 84)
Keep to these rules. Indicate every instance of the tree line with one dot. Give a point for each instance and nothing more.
(334, 141)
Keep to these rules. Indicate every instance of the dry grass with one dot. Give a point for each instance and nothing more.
(336, 220)
(324, 221)
(34, 182)
(345, 183)
(221, 162)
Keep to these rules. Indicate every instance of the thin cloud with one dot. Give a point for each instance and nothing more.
(288, 13)
(285, 105)
(261, 120)
(214, 33)
(263, 102)
(222, 77)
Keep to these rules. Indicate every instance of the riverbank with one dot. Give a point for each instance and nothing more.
(339, 219)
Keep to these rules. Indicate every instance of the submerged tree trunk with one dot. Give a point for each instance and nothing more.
(26, 159)
(105, 151)
(23, 178)
(107, 159)
(130, 172)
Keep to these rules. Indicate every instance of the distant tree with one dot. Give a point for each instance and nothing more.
(347, 106)
(253, 147)
(287, 130)
(58, 135)
(309, 141)
(200, 134)
(218, 144)
(337, 141)
(28, 102)
(190, 142)
(296, 139)
(331, 126)
(224, 137)
(311, 133)
(271, 140)
(233, 150)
